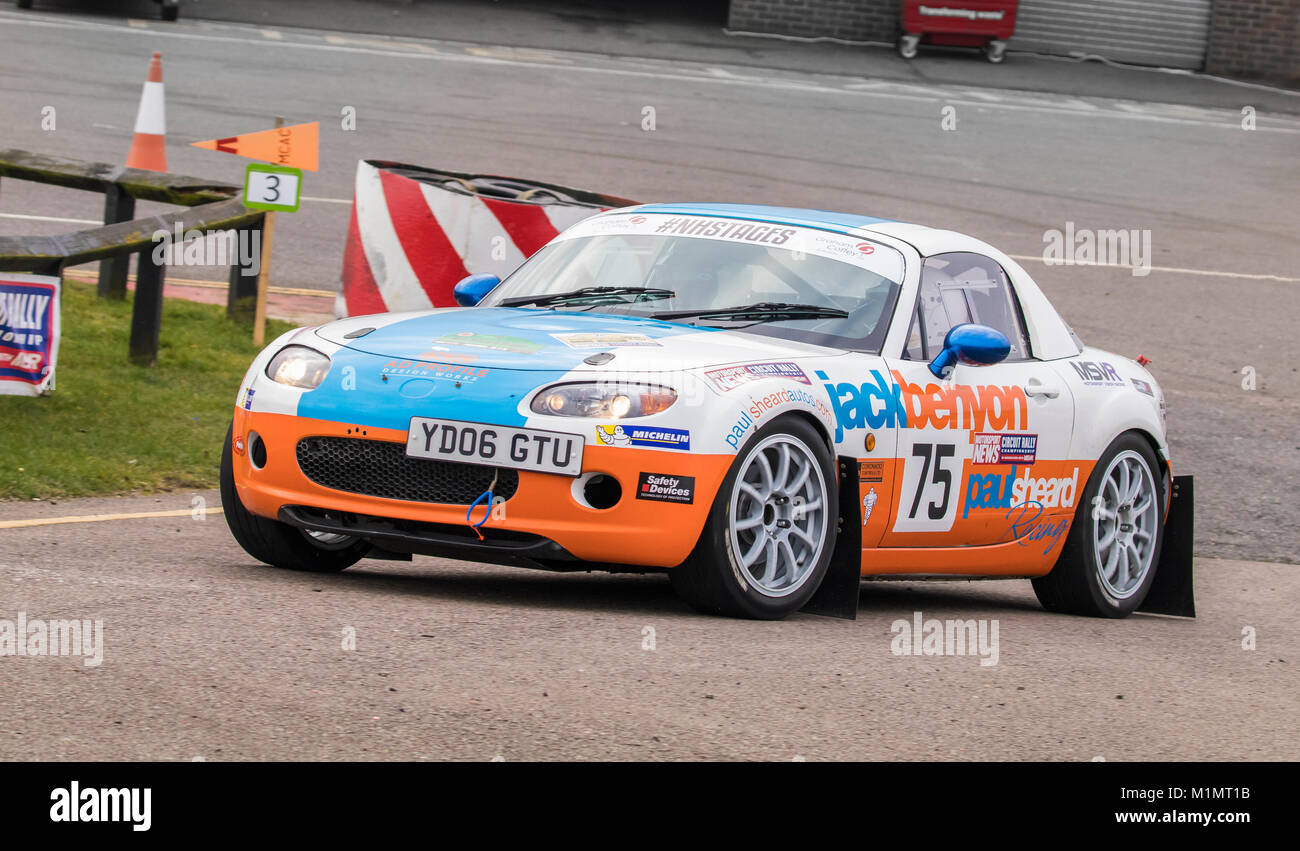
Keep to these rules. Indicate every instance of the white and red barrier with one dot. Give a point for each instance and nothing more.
(416, 231)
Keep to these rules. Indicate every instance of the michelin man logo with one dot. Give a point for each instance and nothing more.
(613, 436)
(868, 503)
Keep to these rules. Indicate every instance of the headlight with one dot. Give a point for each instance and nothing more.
(604, 401)
(298, 366)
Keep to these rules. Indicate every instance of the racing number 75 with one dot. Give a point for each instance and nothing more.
(935, 452)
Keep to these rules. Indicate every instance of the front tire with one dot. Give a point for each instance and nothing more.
(279, 544)
(1110, 555)
(771, 530)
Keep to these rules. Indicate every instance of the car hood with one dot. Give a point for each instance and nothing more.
(528, 339)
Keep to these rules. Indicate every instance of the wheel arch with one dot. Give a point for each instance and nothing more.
(1166, 467)
(817, 426)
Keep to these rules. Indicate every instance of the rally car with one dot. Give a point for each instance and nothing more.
(768, 403)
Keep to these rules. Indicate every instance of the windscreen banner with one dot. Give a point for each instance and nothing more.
(29, 333)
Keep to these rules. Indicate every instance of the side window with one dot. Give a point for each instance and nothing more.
(915, 348)
(965, 287)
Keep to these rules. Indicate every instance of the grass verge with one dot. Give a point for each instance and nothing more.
(110, 427)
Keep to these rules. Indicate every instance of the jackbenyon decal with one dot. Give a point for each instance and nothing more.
(1097, 373)
(730, 377)
(494, 342)
(880, 403)
(602, 340)
(1004, 448)
(759, 407)
(427, 369)
(659, 487)
(634, 435)
(1005, 491)
(1143, 387)
(871, 471)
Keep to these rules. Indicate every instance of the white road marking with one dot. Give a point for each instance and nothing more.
(1224, 119)
(1037, 258)
(327, 200)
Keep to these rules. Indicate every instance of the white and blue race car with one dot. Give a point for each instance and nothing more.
(768, 403)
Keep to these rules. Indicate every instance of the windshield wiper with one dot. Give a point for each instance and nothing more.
(642, 293)
(763, 310)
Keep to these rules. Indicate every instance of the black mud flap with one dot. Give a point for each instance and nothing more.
(837, 597)
(1171, 592)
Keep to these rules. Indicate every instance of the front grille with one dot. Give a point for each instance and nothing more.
(383, 469)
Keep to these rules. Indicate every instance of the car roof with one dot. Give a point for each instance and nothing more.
(826, 219)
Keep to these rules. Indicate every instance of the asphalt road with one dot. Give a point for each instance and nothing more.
(207, 654)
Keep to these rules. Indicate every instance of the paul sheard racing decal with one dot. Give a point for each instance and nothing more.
(760, 407)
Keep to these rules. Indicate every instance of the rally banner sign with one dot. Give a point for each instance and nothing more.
(29, 333)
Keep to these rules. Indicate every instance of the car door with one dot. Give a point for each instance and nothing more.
(982, 458)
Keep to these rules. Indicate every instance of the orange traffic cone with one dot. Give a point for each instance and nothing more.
(148, 148)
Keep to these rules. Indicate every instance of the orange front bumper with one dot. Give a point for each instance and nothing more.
(635, 531)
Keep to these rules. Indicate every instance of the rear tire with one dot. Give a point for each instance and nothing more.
(1109, 559)
(279, 544)
(771, 529)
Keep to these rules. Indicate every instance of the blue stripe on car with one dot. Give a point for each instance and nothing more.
(412, 367)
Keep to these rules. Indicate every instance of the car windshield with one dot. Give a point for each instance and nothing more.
(813, 286)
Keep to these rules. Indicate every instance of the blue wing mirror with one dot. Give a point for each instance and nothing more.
(470, 291)
(978, 345)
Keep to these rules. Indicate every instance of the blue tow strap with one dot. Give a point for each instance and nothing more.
(486, 514)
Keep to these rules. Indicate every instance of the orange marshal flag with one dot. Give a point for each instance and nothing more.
(292, 146)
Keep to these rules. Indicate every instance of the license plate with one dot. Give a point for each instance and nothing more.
(499, 446)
